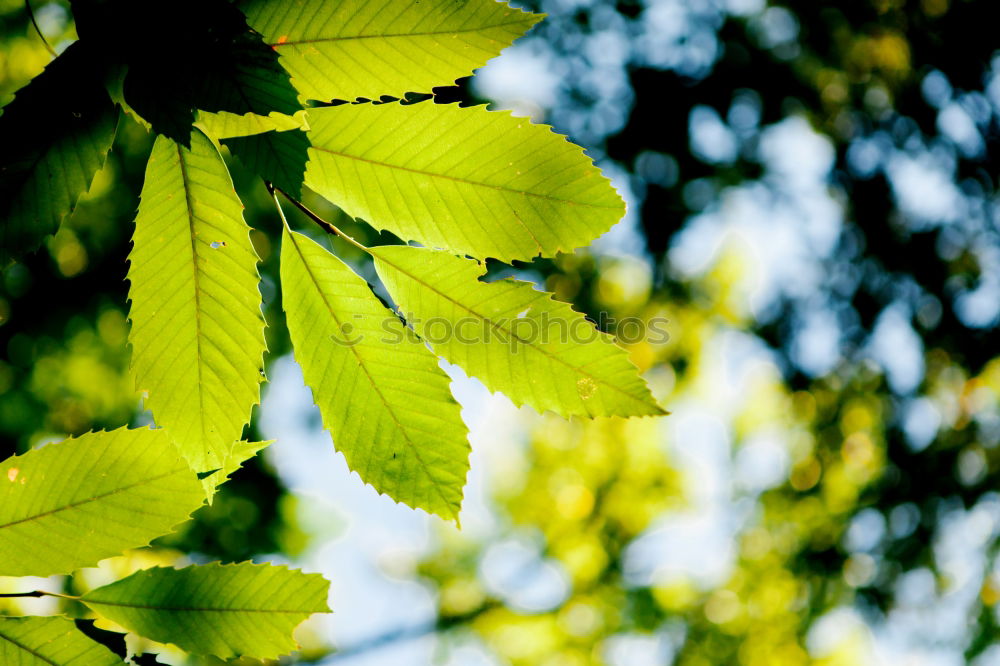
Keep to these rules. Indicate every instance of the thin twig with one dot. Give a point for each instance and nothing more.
(31, 15)
(328, 227)
(34, 593)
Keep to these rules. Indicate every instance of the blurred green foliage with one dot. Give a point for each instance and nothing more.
(885, 79)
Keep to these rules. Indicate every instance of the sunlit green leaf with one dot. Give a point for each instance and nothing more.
(242, 452)
(517, 340)
(223, 125)
(197, 330)
(355, 48)
(49, 641)
(379, 390)
(477, 182)
(223, 610)
(72, 504)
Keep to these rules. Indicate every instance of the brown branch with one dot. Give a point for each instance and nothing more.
(324, 225)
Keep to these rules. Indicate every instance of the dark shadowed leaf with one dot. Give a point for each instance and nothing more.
(189, 55)
(277, 157)
(54, 137)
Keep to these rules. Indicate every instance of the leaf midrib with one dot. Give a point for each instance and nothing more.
(87, 500)
(189, 207)
(432, 33)
(466, 181)
(191, 609)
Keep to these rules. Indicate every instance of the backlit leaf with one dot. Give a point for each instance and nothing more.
(357, 48)
(473, 181)
(72, 504)
(222, 610)
(197, 329)
(379, 390)
(223, 124)
(49, 641)
(517, 340)
(242, 452)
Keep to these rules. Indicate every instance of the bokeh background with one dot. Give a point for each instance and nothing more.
(812, 191)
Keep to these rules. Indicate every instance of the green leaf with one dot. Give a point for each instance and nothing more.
(189, 55)
(223, 610)
(55, 136)
(379, 390)
(158, 102)
(355, 48)
(197, 329)
(243, 76)
(517, 340)
(470, 180)
(72, 504)
(277, 157)
(49, 641)
(223, 124)
(242, 452)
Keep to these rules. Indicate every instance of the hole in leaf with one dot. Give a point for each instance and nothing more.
(217, 244)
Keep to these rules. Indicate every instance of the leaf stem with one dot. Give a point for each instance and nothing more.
(31, 15)
(35, 593)
(277, 204)
(328, 227)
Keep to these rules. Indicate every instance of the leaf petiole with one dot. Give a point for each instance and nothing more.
(328, 227)
(31, 15)
(37, 594)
